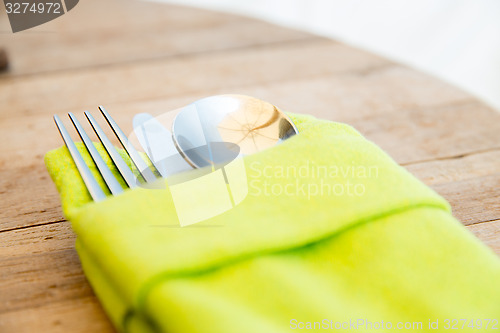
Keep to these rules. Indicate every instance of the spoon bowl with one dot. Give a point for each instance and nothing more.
(218, 129)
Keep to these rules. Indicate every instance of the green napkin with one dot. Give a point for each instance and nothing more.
(332, 234)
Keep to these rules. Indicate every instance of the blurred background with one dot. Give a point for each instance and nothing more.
(455, 40)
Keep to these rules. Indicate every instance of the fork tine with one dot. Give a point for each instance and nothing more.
(106, 173)
(143, 168)
(122, 167)
(92, 186)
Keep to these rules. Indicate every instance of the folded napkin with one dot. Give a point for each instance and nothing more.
(331, 232)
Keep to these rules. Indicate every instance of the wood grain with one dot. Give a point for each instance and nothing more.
(77, 315)
(35, 259)
(165, 78)
(489, 233)
(166, 57)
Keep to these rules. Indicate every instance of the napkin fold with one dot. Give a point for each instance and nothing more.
(331, 232)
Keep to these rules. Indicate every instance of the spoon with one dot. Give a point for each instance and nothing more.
(218, 129)
(211, 131)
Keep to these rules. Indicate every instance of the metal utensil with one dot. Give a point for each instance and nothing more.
(207, 132)
(111, 182)
(219, 128)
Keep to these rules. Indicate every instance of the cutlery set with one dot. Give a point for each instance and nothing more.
(212, 131)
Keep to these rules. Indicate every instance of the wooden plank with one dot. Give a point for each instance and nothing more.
(417, 135)
(41, 205)
(78, 89)
(470, 183)
(340, 97)
(42, 283)
(465, 167)
(86, 37)
(39, 266)
(360, 94)
(488, 233)
(79, 315)
(473, 200)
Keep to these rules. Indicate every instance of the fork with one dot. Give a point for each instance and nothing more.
(110, 180)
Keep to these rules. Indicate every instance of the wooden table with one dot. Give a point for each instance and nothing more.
(135, 57)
